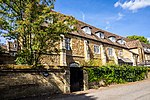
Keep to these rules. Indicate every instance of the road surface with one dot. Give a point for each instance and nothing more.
(130, 91)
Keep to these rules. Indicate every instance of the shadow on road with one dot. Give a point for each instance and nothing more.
(62, 97)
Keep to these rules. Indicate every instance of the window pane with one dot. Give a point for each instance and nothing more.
(96, 49)
(110, 52)
(67, 43)
(113, 39)
(100, 34)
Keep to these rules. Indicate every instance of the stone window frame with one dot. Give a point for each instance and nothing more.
(96, 49)
(68, 43)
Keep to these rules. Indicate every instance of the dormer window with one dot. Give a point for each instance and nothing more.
(100, 35)
(49, 20)
(70, 26)
(121, 41)
(112, 38)
(145, 49)
(148, 49)
(87, 30)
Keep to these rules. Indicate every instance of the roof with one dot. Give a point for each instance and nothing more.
(128, 45)
(93, 36)
(133, 52)
(127, 60)
(145, 45)
(133, 44)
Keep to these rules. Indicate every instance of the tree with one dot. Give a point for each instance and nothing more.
(35, 26)
(140, 38)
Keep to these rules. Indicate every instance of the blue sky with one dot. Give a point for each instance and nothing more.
(122, 17)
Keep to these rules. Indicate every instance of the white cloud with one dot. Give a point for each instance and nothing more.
(120, 16)
(117, 4)
(107, 25)
(83, 16)
(133, 5)
(109, 21)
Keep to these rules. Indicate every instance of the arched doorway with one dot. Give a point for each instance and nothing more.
(76, 77)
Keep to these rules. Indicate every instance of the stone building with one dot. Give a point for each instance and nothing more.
(89, 44)
(142, 49)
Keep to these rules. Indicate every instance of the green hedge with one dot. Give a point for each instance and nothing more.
(116, 74)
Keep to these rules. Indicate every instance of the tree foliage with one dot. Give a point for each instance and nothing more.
(140, 38)
(35, 26)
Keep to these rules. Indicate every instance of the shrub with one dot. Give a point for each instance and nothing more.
(116, 74)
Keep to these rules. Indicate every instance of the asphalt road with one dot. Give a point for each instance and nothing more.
(130, 91)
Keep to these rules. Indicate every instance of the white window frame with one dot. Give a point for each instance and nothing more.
(49, 20)
(112, 38)
(68, 43)
(121, 41)
(110, 51)
(70, 26)
(87, 30)
(100, 35)
(96, 49)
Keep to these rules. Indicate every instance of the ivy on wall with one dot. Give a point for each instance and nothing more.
(116, 74)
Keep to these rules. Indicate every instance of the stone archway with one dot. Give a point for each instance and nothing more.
(76, 77)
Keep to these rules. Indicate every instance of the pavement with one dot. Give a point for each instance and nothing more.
(130, 91)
